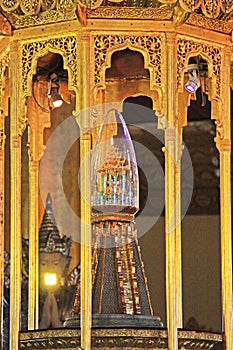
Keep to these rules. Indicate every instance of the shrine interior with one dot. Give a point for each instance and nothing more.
(139, 283)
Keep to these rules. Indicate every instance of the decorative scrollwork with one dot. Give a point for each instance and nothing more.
(210, 8)
(35, 12)
(163, 13)
(66, 45)
(212, 52)
(209, 23)
(117, 338)
(144, 43)
(29, 7)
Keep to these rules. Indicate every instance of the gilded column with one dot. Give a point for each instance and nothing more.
(85, 185)
(170, 198)
(224, 145)
(2, 200)
(15, 206)
(178, 250)
(3, 111)
(33, 287)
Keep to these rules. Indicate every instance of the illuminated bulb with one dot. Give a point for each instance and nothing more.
(193, 82)
(50, 279)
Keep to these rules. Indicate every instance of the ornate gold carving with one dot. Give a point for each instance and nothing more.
(9, 5)
(163, 13)
(2, 139)
(116, 338)
(4, 63)
(27, 13)
(224, 145)
(22, 124)
(5, 27)
(46, 17)
(151, 44)
(67, 7)
(16, 141)
(217, 25)
(210, 8)
(219, 129)
(66, 45)
(211, 52)
(30, 7)
(33, 7)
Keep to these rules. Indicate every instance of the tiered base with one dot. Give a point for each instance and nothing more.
(117, 339)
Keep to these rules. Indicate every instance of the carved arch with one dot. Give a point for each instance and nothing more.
(66, 46)
(151, 46)
(213, 54)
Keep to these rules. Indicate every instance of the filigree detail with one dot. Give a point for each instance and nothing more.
(209, 23)
(67, 7)
(213, 52)
(9, 5)
(163, 13)
(48, 4)
(66, 45)
(210, 8)
(30, 7)
(51, 16)
(151, 44)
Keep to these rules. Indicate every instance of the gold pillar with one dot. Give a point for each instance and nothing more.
(224, 146)
(4, 94)
(2, 200)
(38, 120)
(170, 197)
(178, 250)
(15, 185)
(33, 279)
(85, 189)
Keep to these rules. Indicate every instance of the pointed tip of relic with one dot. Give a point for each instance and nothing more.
(48, 201)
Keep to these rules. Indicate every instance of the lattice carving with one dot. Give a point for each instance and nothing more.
(213, 53)
(152, 45)
(67, 46)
